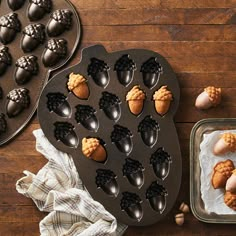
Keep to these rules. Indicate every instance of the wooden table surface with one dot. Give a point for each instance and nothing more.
(197, 37)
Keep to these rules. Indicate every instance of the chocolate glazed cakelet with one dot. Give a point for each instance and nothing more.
(56, 50)
(5, 59)
(26, 67)
(60, 21)
(33, 36)
(133, 160)
(38, 8)
(18, 100)
(9, 26)
(15, 4)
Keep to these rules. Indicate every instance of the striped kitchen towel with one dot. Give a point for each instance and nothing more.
(57, 189)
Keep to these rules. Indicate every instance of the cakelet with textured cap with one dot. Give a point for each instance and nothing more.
(162, 98)
(93, 149)
(135, 98)
(210, 97)
(78, 85)
(221, 172)
(227, 143)
(230, 200)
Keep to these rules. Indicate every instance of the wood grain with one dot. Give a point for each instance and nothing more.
(198, 38)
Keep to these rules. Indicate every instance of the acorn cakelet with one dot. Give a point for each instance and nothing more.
(227, 143)
(179, 219)
(33, 36)
(221, 172)
(5, 59)
(18, 100)
(92, 149)
(135, 98)
(9, 26)
(38, 8)
(210, 97)
(60, 20)
(230, 200)
(78, 85)
(231, 183)
(162, 98)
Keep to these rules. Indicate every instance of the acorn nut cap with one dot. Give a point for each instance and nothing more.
(179, 219)
(184, 208)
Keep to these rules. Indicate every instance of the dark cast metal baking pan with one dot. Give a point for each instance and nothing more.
(141, 197)
(11, 125)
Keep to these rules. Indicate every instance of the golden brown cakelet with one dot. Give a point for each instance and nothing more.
(135, 98)
(227, 143)
(221, 172)
(162, 98)
(92, 148)
(210, 97)
(230, 200)
(78, 85)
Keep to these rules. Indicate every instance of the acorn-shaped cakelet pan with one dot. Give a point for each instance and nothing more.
(113, 113)
(36, 37)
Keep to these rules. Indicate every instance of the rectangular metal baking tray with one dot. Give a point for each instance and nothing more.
(197, 205)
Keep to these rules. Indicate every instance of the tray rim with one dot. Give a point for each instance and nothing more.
(212, 218)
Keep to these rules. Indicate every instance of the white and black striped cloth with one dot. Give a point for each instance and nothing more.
(57, 189)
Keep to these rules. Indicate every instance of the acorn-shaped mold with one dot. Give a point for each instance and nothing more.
(148, 128)
(93, 148)
(1, 93)
(9, 26)
(133, 170)
(65, 133)
(15, 4)
(160, 161)
(98, 70)
(110, 104)
(38, 8)
(121, 136)
(86, 116)
(57, 103)
(124, 68)
(55, 51)
(33, 36)
(78, 85)
(151, 70)
(131, 203)
(210, 97)
(26, 67)
(162, 98)
(156, 194)
(135, 98)
(60, 20)
(3, 124)
(106, 180)
(18, 100)
(5, 59)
